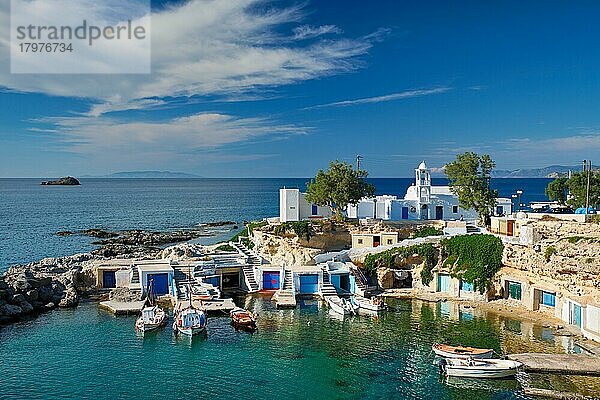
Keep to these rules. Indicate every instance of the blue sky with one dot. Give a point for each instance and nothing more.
(277, 89)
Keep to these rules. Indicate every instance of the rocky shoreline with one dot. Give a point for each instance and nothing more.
(37, 287)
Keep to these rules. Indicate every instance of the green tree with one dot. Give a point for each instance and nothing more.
(470, 176)
(339, 186)
(558, 190)
(577, 185)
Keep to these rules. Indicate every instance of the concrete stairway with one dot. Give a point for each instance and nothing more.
(251, 285)
(327, 289)
(181, 278)
(253, 261)
(288, 283)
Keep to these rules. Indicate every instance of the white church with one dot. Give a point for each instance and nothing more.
(422, 201)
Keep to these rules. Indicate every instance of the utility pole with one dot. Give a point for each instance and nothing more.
(358, 158)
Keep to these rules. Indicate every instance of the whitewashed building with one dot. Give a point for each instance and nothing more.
(422, 201)
(294, 207)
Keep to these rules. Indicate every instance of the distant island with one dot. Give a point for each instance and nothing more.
(552, 171)
(149, 174)
(66, 181)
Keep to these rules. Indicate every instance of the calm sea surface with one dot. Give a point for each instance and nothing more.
(86, 353)
(31, 214)
(304, 353)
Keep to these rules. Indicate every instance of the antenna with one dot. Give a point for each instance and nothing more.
(358, 158)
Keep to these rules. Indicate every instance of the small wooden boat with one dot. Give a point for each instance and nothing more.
(373, 305)
(242, 318)
(446, 351)
(152, 318)
(478, 368)
(340, 306)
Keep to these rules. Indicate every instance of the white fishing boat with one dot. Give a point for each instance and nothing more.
(152, 318)
(479, 368)
(374, 304)
(465, 353)
(190, 321)
(340, 306)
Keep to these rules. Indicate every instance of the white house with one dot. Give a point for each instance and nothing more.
(422, 201)
(294, 207)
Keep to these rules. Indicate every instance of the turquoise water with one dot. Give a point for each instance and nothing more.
(31, 214)
(304, 353)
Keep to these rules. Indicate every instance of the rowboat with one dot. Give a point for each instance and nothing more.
(190, 322)
(152, 318)
(242, 318)
(371, 305)
(446, 351)
(478, 368)
(340, 306)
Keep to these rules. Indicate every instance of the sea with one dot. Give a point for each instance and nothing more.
(32, 214)
(304, 353)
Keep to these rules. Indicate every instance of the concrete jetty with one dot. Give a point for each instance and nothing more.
(553, 394)
(572, 364)
(214, 306)
(123, 308)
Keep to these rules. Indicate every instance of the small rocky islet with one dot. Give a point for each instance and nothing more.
(65, 181)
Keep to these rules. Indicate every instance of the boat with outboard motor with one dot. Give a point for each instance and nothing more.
(341, 306)
(372, 305)
(479, 368)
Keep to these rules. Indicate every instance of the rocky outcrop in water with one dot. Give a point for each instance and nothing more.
(66, 181)
(34, 288)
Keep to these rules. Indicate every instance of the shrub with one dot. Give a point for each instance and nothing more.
(250, 226)
(386, 259)
(225, 247)
(550, 250)
(302, 229)
(427, 231)
(474, 258)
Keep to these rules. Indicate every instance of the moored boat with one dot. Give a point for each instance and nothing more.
(190, 321)
(479, 368)
(371, 305)
(242, 318)
(152, 318)
(461, 352)
(340, 306)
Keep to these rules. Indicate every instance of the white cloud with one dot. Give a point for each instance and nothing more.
(389, 97)
(309, 32)
(203, 47)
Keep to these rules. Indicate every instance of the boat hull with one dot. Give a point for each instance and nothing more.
(466, 373)
(337, 308)
(482, 369)
(478, 354)
(191, 331)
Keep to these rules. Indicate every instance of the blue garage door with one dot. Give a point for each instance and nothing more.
(108, 279)
(270, 280)
(160, 282)
(309, 284)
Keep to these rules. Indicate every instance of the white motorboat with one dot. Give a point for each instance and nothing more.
(479, 368)
(152, 318)
(340, 306)
(371, 305)
(446, 351)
